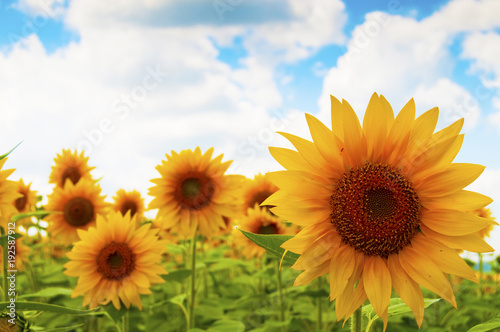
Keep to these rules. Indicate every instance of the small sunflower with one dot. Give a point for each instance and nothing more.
(78, 206)
(8, 194)
(28, 199)
(485, 213)
(256, 191)
(382, 206)
(116, 262)
(129, 201)
(70, 165)
(193, 193)
(257, 221)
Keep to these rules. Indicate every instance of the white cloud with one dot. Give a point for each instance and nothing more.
(402, 58)
(40, 9)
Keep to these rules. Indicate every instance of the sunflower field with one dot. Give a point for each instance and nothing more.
(362, 230)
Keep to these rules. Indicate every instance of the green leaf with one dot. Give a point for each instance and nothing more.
(39, 306)
(115, 315)
(179, 299)
(40, 214)
(272, 243)
(6, 154)
(178, 275)
(487, 326)
(224, 325)
(49, 292)
(4, 239)
(396, 307)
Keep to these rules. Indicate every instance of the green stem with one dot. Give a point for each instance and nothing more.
(280, 290)
(193, 284)
(356, 320)
(5, 256)
(480, 274)
(126, 322)
(320, 305)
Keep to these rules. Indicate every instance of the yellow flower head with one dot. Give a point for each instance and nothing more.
(115, 261)
(382, 205)
(130, 201)
(70, 165)
(258, 221)
(8, 194)
(256, 191)
(78, 206)
(485, 213)
(193, 193)
(28, 199)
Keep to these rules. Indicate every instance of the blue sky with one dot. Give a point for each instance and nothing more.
(229, 74)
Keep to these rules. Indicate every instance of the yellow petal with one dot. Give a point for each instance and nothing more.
(462, 200)
(422, 129)
(342, 266)
(309, 275)
(377, 282)
(451, 180)
(426, 273)
(300, 242)
(438, 156)
(310, 153)
(354, 140)
(328, 145)
(337, 118)
(407, 289)
(471, 242)
(452, 222)
(448, 259)
(376, 126)
(289, 159)
(399, 134)
(321, 250)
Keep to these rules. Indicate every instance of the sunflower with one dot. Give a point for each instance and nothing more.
(256, 191)
(8, 194)
(27, 201)
(78, 206)
(382, 206)
(193, 193)
(257, 221)
(485, 213)
(129, 201)
(114, 261)
(70, 166)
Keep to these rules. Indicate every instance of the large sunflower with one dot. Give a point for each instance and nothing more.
(382, 206)
(256, 191)
(78, 206)
(70, 165)
(126, 201)
(116, 261)
(8, 194)
(257, 221)
(193, 193)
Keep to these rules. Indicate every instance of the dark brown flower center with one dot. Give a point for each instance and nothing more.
(128, 206)
(71, 173)
(78, 211)
(195, 192)
(375, 209)
(21, 202)
(271, 228)
(115, 261)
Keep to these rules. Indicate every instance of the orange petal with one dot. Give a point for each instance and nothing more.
(377, 281)
(407, 289)
(426, 273)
